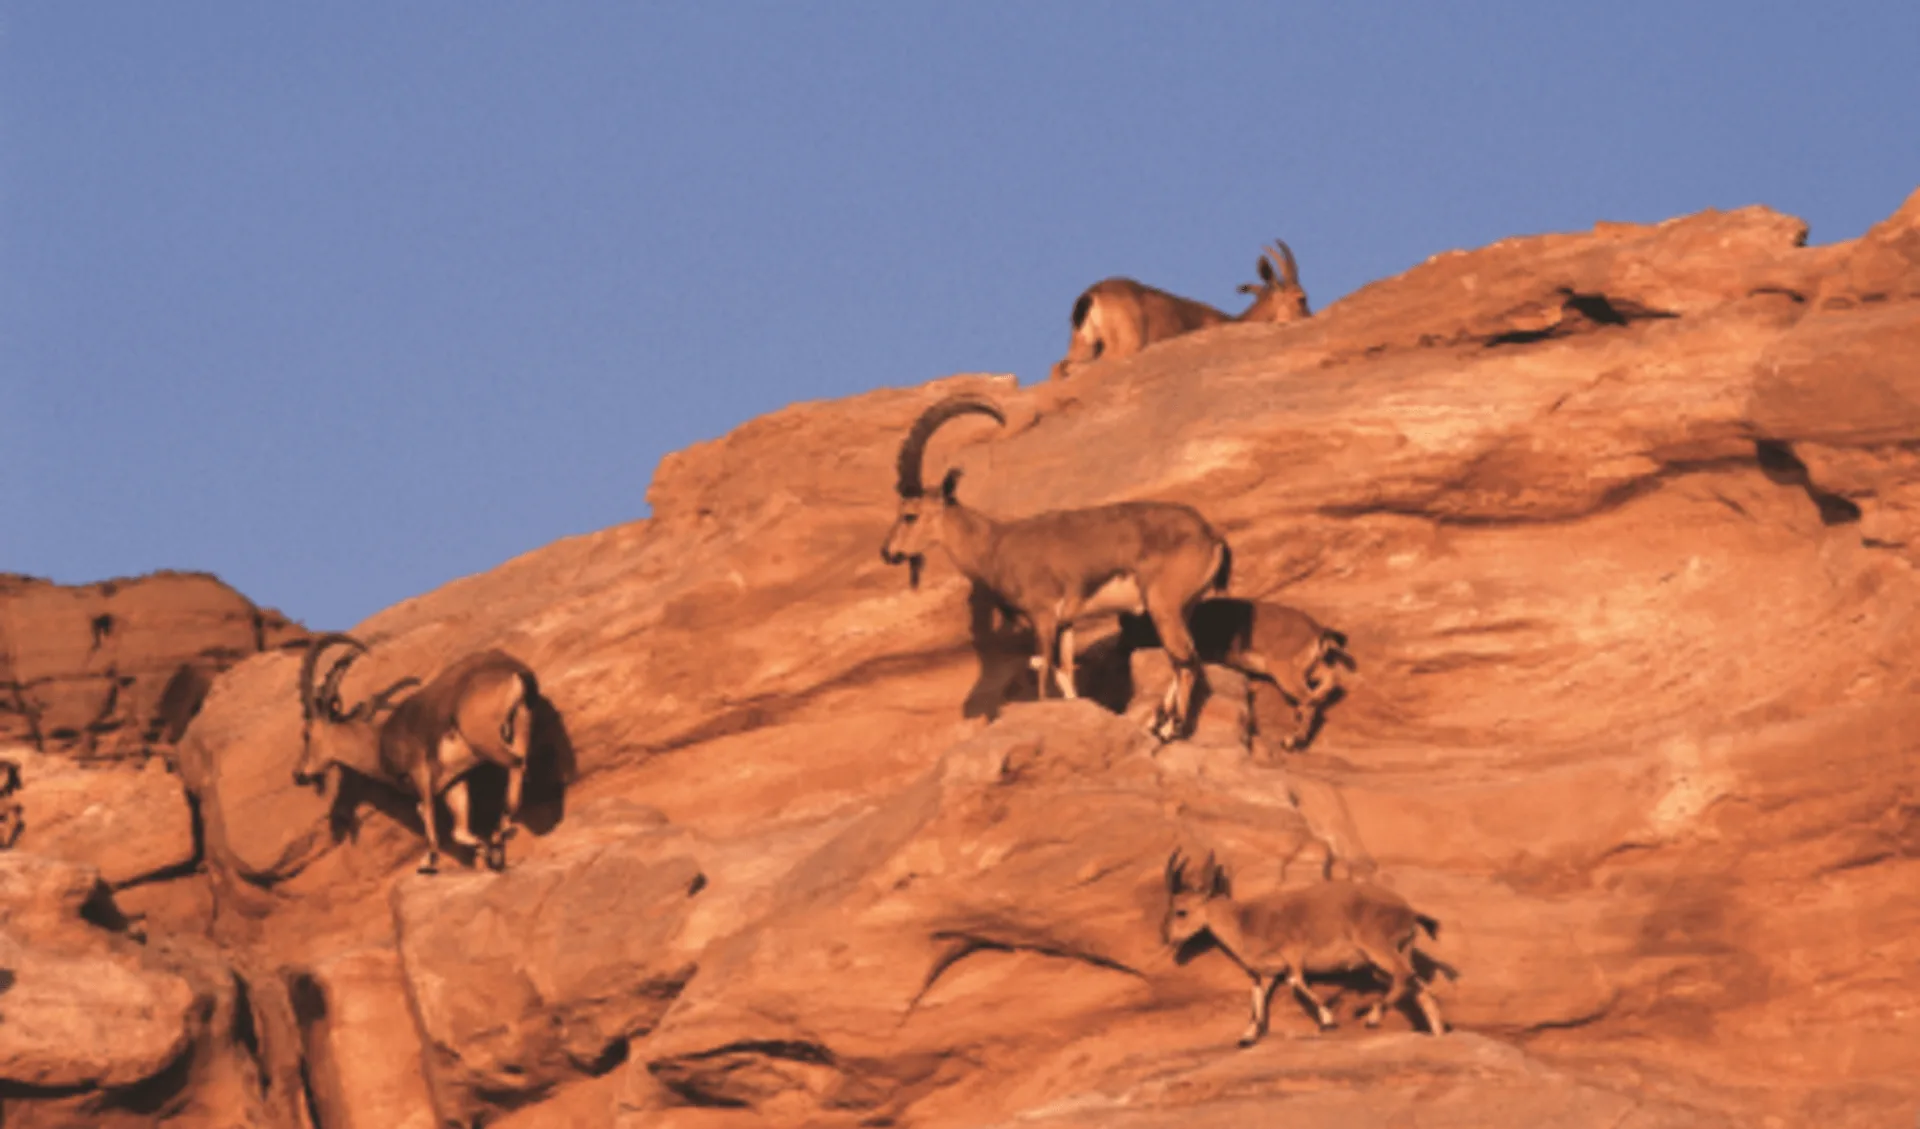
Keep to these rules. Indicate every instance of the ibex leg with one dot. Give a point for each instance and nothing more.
(461, 810)
(497, 849)
(423, 785)
(1299, 985)
(1257, 1025)
(1067, 687)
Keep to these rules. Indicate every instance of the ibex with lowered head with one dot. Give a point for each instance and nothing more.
(1329, 927)
(1119, 317)
(477, 709)
(1153, 557)
(1265, 641)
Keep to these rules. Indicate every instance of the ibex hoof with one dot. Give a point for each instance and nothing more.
(1250, 1038)
(430, 866)
(497, 855)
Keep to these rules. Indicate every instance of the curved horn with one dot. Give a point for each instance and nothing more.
(310, 700)
(1176, 871)
(1290, 272)
(328, 699)
(372, 706)
(914, 447)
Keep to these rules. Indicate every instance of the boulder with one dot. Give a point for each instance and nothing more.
(524, 980)
(130, 821)
(80, 1009)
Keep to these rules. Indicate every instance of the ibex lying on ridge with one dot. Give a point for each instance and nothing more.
(1152, 557)
(1266, 641)
(475, 710)
(1118, 317)
(1329, 927)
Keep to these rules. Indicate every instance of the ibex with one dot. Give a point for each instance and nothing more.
(1119, 317)
(1153, 557)
(1266, 641)
(1326, 928)
(477, 709)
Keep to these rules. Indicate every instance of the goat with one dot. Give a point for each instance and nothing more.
(1118, 317)
(1152, 557)
(477, 709)
(1266, 641)
(1328, 927)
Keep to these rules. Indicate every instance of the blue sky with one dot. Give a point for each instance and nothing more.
(342, 301)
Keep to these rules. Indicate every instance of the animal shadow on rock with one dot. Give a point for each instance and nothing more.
(1003, 644)
(551, 766)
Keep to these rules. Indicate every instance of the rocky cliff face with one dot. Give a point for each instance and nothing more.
(108, 671)
(1621, 527)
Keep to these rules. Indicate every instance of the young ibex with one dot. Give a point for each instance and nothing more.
(1266, 641)
(1327, 928)
(478, 709)
(1118, 317)
(1152, 557)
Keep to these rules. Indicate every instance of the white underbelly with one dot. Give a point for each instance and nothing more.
(1121, 594)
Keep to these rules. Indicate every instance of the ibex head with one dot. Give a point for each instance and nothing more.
(320, 707)
(1278, 296)
(918, 527)
(1187, 902)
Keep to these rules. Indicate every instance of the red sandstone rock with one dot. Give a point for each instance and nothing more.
(523, 980)
(79, 1011)
(86, 670)
(130, 823)
(1621, 527)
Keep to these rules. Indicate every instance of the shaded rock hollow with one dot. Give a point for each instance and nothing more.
(1620, 526)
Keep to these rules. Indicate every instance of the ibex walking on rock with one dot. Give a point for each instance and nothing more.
(1329, 927)
(1153, 557)
(477, 709)
(1118, 317)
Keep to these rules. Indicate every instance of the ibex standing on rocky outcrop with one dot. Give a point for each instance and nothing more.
(1118, 317)
(1265, 641)
(1329, 927)
(477, 709)
(1153, 557)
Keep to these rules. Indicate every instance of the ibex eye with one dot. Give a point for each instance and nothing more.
(909, 518)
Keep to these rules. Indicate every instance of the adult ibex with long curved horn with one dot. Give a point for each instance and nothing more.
(1118, 317)
(1159, 558)
(477, 709)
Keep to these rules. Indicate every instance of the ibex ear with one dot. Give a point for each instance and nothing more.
(1216, 879)
(948, 484)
